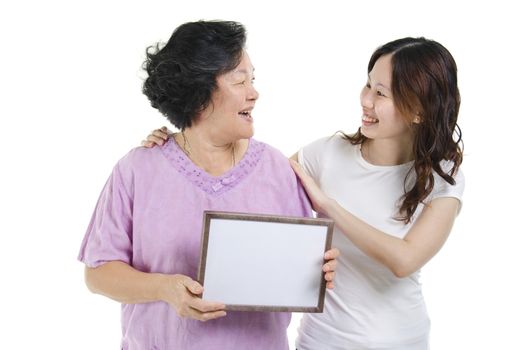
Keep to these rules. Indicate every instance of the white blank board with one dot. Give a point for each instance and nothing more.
(275, 265)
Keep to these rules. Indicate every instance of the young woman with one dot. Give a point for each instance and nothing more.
(393, 189)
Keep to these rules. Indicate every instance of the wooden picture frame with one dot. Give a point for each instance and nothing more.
(254, 262)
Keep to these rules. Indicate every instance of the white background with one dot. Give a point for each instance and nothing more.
(71, 106)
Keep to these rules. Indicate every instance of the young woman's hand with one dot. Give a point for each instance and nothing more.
(157, 137)
(318, 198)
(183, 294)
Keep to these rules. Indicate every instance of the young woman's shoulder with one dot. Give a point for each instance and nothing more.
(447, 167)
(324, 144)
(442, 188)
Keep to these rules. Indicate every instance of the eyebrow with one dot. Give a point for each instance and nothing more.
(380, 84)
(383, 86)
(243, 71)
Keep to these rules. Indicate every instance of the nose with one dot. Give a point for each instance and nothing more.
(366, 98)
(253, 94)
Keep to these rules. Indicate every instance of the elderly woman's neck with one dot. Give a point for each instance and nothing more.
(216, 154)
(207, 141)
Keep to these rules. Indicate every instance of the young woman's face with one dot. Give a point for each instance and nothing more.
(233, 101)
(381, 119)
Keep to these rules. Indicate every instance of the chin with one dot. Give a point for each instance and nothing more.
(247, 134)
(366, 133)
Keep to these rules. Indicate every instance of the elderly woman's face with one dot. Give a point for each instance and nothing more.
(232, 103)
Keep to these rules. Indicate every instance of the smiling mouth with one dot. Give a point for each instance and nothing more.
(369, 120)
(246, 115)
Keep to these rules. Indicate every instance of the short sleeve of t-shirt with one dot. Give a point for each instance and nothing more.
(109, 234)
(443, 189)
(311, 157)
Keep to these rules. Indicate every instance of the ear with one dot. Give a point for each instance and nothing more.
(417, 119)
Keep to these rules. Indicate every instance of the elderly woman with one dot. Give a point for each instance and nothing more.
(142, 245)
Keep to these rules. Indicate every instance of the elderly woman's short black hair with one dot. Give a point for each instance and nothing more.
(182, 74)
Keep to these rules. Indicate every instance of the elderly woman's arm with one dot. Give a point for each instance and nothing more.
(123, 283)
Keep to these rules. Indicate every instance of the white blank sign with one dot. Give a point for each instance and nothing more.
(264, 263)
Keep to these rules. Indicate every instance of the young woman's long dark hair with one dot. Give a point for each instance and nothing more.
(424, 83)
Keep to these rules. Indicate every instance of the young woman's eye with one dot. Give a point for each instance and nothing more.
(379, 93)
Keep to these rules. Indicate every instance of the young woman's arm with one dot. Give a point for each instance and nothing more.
(157, 137)
(295, 157)
(402, 256)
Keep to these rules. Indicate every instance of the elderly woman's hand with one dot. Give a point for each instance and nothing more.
(330, 266)
(182, 293)
(157, 137)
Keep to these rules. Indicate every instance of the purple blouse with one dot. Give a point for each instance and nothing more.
(149, 215)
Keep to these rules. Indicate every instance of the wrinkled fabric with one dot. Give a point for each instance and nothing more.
(149, 215)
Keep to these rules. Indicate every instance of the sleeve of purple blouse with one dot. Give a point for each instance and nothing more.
(109, 234)
(305, 205)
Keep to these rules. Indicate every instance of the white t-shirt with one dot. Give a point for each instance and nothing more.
(370, 308)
